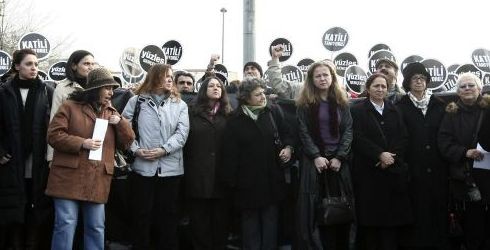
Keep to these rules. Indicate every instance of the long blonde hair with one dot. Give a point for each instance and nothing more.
(310, 95)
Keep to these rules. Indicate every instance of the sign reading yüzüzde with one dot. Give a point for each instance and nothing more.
(481, 59)
(57, 72)
(42, 75)
(379, 55)
(342, 61)
(304, 64)
(486, 79)
(452, 68)
(36, 42)
(469, 68)
(221, 72)
(410, 59)
(151, 55)
(437, 71)
(129, 62)
(378, 47)
(292, 73)
(5, 62)
(288, 48)
(335, 39)
(128, 79)
(173, 51)
(355, 78)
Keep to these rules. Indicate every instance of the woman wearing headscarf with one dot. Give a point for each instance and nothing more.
(76, 182)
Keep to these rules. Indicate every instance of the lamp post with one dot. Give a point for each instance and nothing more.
(223, 10)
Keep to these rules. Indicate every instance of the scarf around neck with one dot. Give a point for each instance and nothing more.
(253, 111)
(423, 103)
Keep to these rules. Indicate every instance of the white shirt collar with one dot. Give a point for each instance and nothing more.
(378, 108)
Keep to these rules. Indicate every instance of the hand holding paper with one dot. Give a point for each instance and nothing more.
(100, 130)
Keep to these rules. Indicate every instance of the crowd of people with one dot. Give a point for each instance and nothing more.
(397, 168)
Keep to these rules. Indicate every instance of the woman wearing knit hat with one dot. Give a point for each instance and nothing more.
(76, 182)
(422, 114)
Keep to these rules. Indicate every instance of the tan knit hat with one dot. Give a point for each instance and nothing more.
(100, 77)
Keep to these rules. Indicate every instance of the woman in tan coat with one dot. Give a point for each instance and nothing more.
(74, 180)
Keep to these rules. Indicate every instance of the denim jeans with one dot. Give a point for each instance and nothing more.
(65, 223)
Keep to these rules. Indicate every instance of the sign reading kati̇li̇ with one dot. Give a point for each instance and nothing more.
(335, 39)
(173, 51)
(286, 44)
(36, 42)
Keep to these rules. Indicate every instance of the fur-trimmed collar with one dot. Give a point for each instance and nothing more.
(483, 102)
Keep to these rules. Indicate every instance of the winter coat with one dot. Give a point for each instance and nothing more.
(251, 160)
(203, 156)
(381, 194)
(309, 187)
(456, 135)
(12, 193)
(428, 171)
(166, 126)
(61, 93)
(73, 176)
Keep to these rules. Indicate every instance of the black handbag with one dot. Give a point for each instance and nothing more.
(333, 210)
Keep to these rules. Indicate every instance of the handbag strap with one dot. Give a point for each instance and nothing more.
(323, 183)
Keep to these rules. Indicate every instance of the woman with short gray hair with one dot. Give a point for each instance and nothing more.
(257, 142)
(468, 186)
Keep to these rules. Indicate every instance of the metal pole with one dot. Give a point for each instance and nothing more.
(223, 10)
(2, 31)
(248, 31)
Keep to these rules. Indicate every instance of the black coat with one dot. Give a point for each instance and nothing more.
(381, 194)
(251, 165)
(457, 135)
(428, 171)
(12, 194)
(203, 156)
(309, 187)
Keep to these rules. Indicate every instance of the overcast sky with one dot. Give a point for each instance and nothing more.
(447, 31)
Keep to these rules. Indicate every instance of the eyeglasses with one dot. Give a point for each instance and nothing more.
(419, 77)
(467, 86)
(185, 83)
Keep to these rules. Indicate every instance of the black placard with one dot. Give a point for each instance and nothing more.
(288, 48)
(469, 68)
(481, 59)
(173, 51)
(452, 68)
(43, 75)
(355, 79)
(151, 55)
(57, 72)
(342, 61)
(410, 59)
(437, 71)
(450, 83)
(36, 42)
(335, 39)
(304, 64)
(378, 47)
(221, 73)
(292, 73)
(379, 55)
(5, 62)
(129, 62)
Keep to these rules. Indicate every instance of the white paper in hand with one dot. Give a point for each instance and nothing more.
(485, 163)
(99, 134)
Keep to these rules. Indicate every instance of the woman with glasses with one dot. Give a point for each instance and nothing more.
(422, 113)
(458, 142)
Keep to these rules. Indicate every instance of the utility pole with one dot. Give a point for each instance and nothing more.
(2, 15)
(223, 10)
(248, 31)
